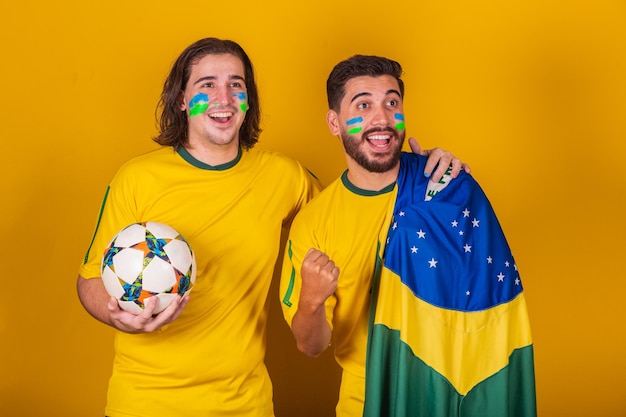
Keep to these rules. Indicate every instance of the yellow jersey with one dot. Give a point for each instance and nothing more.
(346, 223)
(210, 361)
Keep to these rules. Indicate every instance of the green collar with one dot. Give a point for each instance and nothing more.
(199, 164)
(367, 193)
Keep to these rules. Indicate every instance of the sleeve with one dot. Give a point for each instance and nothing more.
(118, 210)
(301, 239)
(308, 186)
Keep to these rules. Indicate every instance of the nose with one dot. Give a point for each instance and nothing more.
(222, 95)
(381, 117)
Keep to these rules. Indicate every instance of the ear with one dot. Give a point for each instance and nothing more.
(332, 118)
(181, 102)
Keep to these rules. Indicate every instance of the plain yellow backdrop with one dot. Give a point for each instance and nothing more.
(531, 93)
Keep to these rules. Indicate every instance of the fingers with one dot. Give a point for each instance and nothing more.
(441, 162)
(319, 278)
(317, 262)
(173, 310)
(440, 159)
(146, 321)
(148, 309)
(457, 166)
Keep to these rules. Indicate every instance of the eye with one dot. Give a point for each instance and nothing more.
(393, 102)
(207, 84)
(362, 106)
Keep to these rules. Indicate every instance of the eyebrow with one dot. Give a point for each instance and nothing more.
(213, 78)
(392, 91)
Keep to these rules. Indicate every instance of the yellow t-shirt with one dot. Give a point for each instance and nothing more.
(210, 360)
(350, 226)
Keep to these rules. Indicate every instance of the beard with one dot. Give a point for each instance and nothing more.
(378, 162)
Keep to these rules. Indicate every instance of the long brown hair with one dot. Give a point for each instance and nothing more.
(173, 122)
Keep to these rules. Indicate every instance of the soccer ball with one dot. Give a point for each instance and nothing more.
(146, 260)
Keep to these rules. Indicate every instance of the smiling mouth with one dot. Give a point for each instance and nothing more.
(222, 116)
(379, 139)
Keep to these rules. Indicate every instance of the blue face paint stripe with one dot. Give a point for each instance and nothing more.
(355, 120)
(199, 98)
(399, 116)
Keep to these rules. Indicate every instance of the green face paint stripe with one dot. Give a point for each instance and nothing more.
(198, 104)
(353, 121)
(198, 109)
(400, 124)
(244, 98)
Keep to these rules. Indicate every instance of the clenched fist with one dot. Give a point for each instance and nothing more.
(319, 278)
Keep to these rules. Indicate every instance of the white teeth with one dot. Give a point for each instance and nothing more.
(224, 114)
(378, 137)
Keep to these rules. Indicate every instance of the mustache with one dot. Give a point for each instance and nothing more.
(368, 132)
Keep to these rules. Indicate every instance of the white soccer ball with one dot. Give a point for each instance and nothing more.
(146, 260)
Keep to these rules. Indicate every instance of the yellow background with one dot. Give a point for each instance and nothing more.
(531, 93)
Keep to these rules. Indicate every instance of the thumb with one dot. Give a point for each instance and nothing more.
(416, 148)
(112, 305)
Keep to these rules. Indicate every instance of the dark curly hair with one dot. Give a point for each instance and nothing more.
(173, 122)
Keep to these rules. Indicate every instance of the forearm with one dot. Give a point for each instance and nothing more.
(94, 298)
(311, 330)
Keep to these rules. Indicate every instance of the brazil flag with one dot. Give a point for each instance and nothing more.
(449, 330)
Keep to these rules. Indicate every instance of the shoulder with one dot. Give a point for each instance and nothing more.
(149, 158)
(281, 168)
(273, 159)
(323, 202)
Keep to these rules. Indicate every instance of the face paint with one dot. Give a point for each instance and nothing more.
(198, 104)
(400, 118)
(243, 97)
(355, 129)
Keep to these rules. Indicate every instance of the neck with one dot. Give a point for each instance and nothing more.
(371, 181)
(213, 154)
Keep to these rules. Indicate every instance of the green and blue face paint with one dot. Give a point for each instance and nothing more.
(352, 122)
(400, 118)
(198, 104)
(243, 98)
